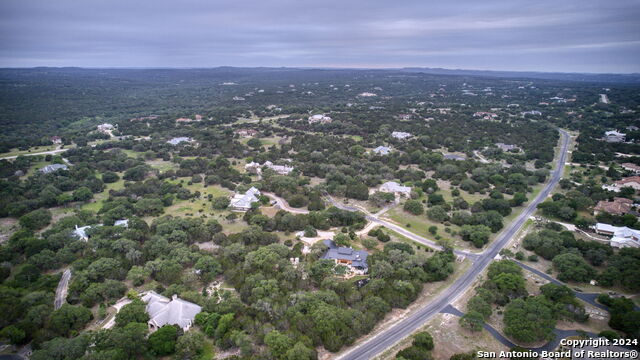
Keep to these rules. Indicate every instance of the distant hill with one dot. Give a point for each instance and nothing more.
(585, 77)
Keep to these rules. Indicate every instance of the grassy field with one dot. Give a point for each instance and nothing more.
(98, 199)
(196, 207)
(34, 167)
(419, 224)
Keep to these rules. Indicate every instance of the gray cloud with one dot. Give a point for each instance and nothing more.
(570, 35)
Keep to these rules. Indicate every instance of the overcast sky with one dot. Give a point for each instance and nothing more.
(537, 35)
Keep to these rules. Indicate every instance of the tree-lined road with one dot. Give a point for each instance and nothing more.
(387, 338)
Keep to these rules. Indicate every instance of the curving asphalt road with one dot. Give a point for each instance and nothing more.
(385, 339)
(550, 346)
(282, 204)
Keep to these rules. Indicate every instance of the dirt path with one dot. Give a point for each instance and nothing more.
(62, 289)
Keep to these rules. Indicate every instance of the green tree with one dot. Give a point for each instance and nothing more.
(300, 352)
(529, 320)
(413, 207)
(472, 320)
(132, 312)
(424, 340)
(82, 194)
(36, 219)
(163, 341)
(69, 318)
(573, 267)
(437, 213)
(220, 202)
(189, 346)
(278, 344)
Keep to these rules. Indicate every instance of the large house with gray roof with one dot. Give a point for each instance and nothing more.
(164, 311)
(355, 260)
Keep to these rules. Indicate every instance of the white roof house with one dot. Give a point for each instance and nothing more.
(280, 169)
(400, 135)
(382, 150)
(614, 136)
(81, 232)
(53, 168)
(319, 118)
(622, 236)
(163, 311)
(252, 167)
(178, 140)
(242, 202)
(105, 127)
(124, 223)
(531, 112)
(394, 187)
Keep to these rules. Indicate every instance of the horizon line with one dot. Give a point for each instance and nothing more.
(309, 68)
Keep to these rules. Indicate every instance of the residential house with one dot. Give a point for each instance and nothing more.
(319, 118)
(400, 135)
(507, 147)
(619, 206)
(632, 182)
(53, 168)
(621, 236)
(394, 187)
(355, 260)
(123, 223)
(280, 169)
(81, 232)
(631, 167)
(177, 140)
(242, 202)
(105, 128)
(56, 139)
(382, 150)
(614, 136)
(245, 133)
(175, 311)
(455, 157)
(253, 167)
(531, 112)
(238, 98)
(485, 115)
(183, 120)
(367, 94)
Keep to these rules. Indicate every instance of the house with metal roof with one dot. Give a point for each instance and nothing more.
(355, 260)
(455, 157)
(242, 202)
(53, 168)
(280, 169)
(394, 187)
(178, 140)
(164, 311)
(400, 135)
(382, 150)
(621, 236)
